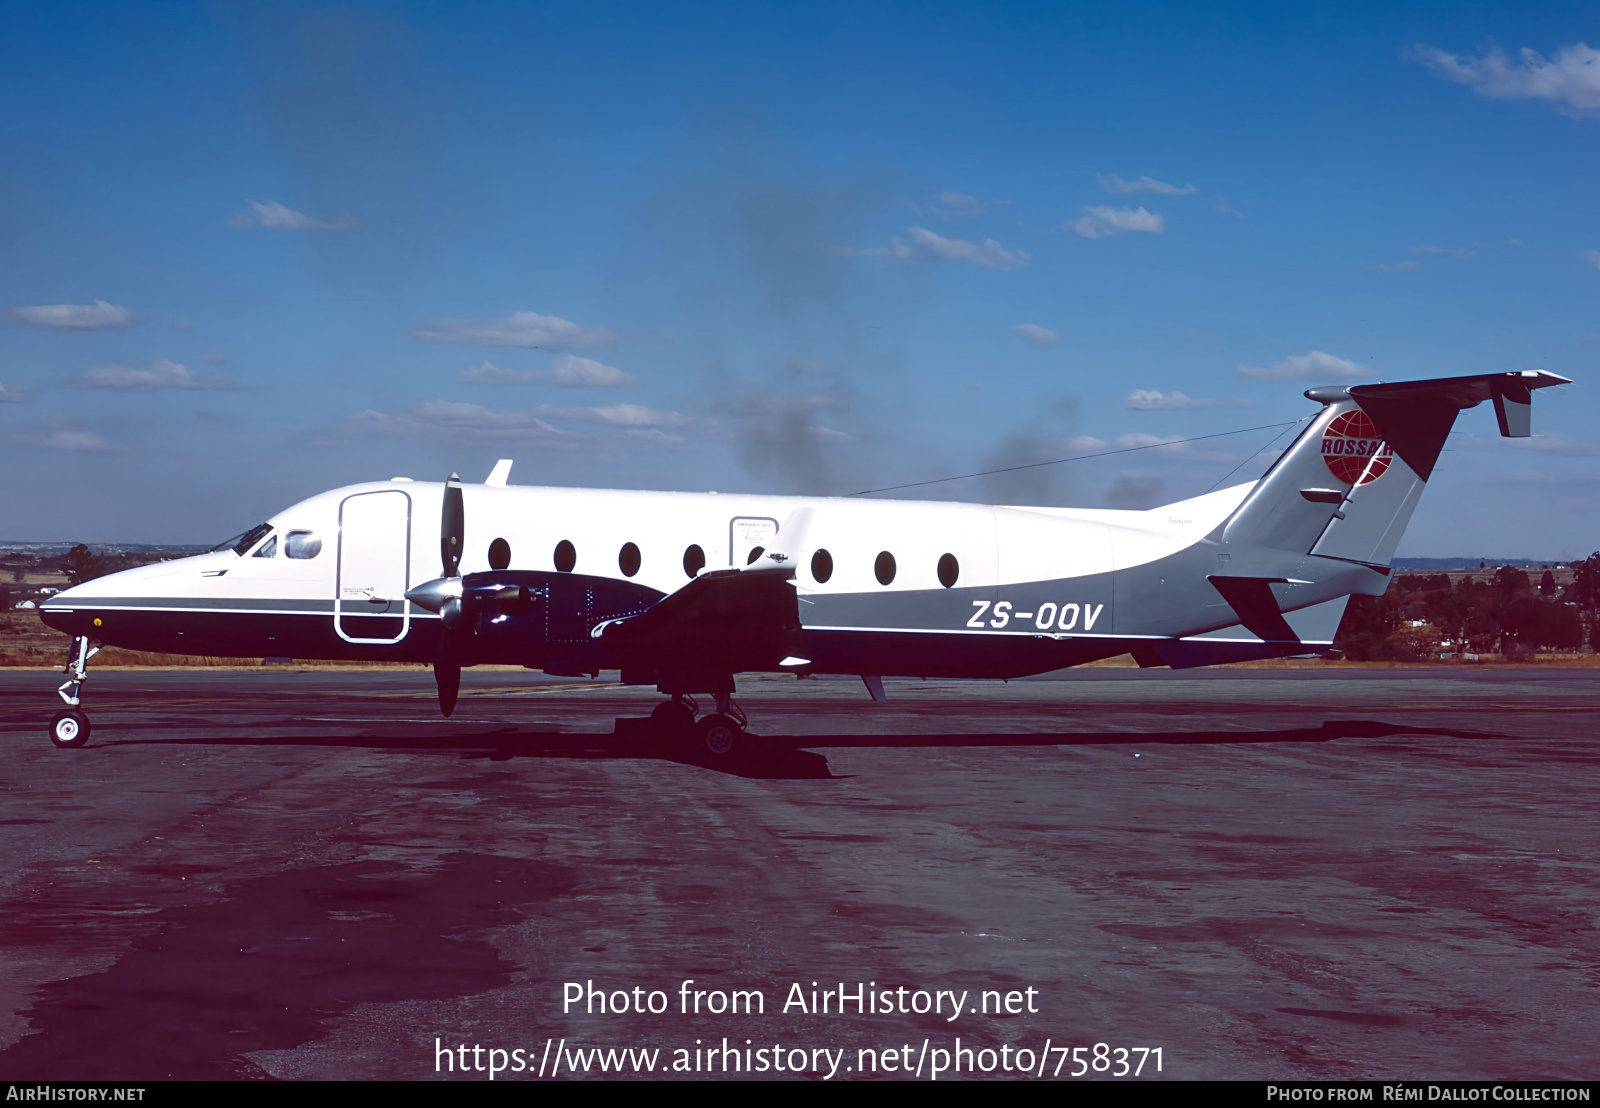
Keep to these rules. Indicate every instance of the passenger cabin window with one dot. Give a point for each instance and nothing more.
(628, 559)
(949, 570)
(499, 554)
(694, 560)
(883, 568)
(269, 549)
(303, 545)
(821, 566)
(566, 556)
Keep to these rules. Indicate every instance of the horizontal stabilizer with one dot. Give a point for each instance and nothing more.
(1251, 598)
(1415, 417)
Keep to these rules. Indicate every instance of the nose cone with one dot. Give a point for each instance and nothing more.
(74, 610)
(58, 612)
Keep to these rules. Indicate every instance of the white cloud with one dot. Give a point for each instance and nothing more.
(548, 332)
(1103, 221)
(182, 324)
(16, 394)
(987, 253)
(1113, 182)
(1427, 250)
(1570, 80)
(1149, 400)
(1173, 446)
(1396, 267)
(897, 248)
(616, 415)
(1593, 257)
(449, 418)
(159, 374)
(1039, 336)
(444, 417)
(280, 218)
(86, 441)
(568, 370)
(952, 204)
(98, 316)
(1315, 365)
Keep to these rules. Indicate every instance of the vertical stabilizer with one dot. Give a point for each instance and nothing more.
(1347, 486)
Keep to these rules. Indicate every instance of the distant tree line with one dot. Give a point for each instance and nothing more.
(79, 564)
(1422, 616)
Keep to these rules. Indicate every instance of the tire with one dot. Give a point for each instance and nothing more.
(672, 720)
(69, 730)
(718, 738)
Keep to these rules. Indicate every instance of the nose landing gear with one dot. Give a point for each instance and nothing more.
(70, 728)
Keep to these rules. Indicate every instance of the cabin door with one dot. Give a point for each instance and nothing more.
(369, 604)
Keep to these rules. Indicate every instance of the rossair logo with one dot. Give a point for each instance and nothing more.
(1352, 449)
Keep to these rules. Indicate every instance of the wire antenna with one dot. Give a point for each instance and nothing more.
(1080, 458)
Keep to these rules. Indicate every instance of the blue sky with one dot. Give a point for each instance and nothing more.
(252, 252)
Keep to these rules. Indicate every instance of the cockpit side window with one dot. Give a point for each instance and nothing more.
(302, 544)
(241, 544)
(269, 549)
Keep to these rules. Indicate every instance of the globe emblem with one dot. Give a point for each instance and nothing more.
(1354, 451)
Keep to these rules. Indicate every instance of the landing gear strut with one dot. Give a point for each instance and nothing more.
(719, 736)
(70, 728)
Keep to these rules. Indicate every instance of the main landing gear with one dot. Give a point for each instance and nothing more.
(70, 728)
(719, 736)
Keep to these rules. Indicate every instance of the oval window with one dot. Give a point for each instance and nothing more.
(628, 559)
(821, 566)
(302, 544)
(566, 556)
(755, 552)
(694, 560)
(949, 570)
(883, 568)
(499, 554)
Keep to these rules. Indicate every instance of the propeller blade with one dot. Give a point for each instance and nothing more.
(452, 527)
(447, 676)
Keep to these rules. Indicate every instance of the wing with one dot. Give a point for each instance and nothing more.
(723, 622)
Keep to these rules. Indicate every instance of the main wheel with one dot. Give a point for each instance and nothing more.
(69, 729)
(718, 737)
(672, 719)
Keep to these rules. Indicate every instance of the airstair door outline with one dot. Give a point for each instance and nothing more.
(369, 602)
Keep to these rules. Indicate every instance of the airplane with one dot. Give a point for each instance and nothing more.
(685, 591)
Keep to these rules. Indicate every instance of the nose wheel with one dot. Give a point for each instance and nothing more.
(70, 729)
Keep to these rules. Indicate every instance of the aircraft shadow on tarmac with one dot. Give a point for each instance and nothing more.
(775, 757)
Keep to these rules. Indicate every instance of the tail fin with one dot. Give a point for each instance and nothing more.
(1347, 486)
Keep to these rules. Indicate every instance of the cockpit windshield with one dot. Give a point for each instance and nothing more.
(241, 544)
